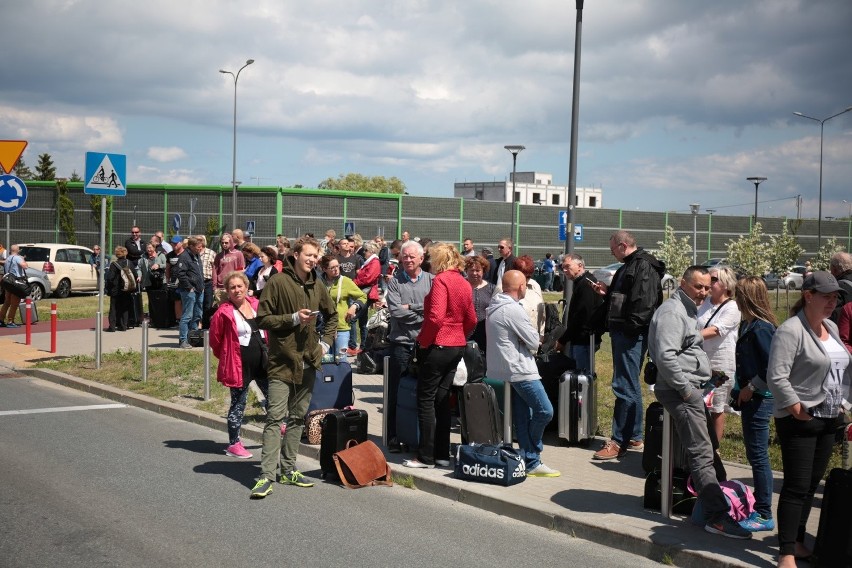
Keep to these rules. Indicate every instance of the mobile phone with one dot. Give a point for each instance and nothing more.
(316, 313)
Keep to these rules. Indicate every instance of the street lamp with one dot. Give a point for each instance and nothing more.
(709, 230)
(821, 127)
(756, 181)
(234, 164)
(850, 209)
(694, 207)
(515, 149)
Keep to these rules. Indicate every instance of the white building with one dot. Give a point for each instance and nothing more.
(531, 188)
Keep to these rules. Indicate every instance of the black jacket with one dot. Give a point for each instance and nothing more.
(584, 306)
(636, 287)
(510, 263)
(188, 272)
(114, 284)
(134, 252)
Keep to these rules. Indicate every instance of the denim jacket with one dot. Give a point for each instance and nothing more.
(753, 355)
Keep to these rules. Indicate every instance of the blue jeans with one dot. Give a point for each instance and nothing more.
(191, 316)
(548, 281)
(627, 354)
(580, 354)
(342, 341)
(755, 416)
(531, 412)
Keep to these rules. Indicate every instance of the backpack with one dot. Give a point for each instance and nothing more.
(128, 280)
(739, 496)
(553, 327)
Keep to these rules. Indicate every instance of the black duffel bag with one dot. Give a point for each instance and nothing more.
(16, 285)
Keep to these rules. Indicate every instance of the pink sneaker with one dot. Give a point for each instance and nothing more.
(238, 451)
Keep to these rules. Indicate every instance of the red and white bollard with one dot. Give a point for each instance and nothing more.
(28, 320)
(53, 322)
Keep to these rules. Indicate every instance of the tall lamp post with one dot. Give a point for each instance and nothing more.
(709, 230)
(234, 184)
(694, 207)
(756, 181)
(515, 149)
(821, 129)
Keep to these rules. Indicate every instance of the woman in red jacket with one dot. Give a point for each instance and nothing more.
(449, 319)
(239, 345)
(367, 278)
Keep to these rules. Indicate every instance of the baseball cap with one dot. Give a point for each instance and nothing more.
(821, 281)
(176, 239)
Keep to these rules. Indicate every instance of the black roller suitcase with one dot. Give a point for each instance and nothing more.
(407, 426)
(333, 386)
(337, 429)
(834, 536)
(480, 416)
(161, 310)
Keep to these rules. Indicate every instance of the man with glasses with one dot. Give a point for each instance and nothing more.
(504, 264)
(632, 297)
(582, 312)
(407, 290)
(135, 249)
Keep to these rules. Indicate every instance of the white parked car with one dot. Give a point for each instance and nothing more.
(67, 266)
(793, 280)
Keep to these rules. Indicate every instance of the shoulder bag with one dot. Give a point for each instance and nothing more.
(362, 465)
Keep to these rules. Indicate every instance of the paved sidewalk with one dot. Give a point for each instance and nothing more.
(598, 501)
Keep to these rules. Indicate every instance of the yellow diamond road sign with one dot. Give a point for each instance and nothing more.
(10, 151)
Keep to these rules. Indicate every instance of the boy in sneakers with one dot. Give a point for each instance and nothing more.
(512, 341)
(674, 343)
(288, 310)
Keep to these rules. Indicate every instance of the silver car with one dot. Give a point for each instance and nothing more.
(606, 273)
(40, 287)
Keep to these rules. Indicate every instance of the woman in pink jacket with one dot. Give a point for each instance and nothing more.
(241, 349)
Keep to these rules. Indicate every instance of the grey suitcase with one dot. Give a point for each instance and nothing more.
(22, 311)
(578, 404)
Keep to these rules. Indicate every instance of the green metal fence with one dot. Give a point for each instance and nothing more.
(293, 212)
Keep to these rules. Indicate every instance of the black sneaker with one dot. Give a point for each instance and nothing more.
(726, 526)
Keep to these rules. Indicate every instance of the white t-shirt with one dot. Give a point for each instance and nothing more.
(721, 349)
(833, 386)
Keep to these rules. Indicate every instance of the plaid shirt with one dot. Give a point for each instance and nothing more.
(207, 256)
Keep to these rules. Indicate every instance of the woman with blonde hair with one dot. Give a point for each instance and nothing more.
(754, 399)
(809, 374)
(449, 318)
(719, 321)
(238, 344)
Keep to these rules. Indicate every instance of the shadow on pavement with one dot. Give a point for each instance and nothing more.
(243, 472)
(197, 446)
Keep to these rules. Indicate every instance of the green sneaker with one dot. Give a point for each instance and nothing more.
(296, 478)
(262, 488)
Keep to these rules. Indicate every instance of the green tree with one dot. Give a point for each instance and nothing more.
(22, 170)
(676, 253)
(749, 253)
(784, 250)
(824, 254)
(75, 176)
(360, 182)
(45, 170)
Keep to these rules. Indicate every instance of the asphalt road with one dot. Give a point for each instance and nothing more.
(107, 485)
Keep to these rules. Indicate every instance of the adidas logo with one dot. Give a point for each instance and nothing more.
(479, 470)
(520, 471)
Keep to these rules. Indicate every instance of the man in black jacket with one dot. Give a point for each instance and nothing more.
(190, 288)
(632, 297)
(505, 263)
(582, 310)
(135, 249)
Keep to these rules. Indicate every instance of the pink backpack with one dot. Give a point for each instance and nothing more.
(739, 496)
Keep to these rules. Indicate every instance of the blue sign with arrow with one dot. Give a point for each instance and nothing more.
(13, 193)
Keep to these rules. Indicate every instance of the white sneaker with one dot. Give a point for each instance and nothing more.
(543, 471)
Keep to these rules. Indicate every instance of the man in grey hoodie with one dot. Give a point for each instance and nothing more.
(674, 343)
(512, 341)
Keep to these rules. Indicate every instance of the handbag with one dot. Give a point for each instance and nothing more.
(313, 424)
(16, 285)
(490, 463)
(362, 465)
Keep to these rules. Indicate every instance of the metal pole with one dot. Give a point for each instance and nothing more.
(101, 277)
(568, 284)
(694, 238)
(666, 473)
(144, 350)
(819, 212)
(514, 198)
(8, 231)
(385, 383)
(206, 364)
(507, 412)
(234, 184)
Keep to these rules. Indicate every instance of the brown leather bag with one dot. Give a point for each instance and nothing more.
(362, 465)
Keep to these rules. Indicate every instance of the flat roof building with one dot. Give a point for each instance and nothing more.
(531, 188)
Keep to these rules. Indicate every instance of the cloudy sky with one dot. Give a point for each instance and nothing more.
(680, 100)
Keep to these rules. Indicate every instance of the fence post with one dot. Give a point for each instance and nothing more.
(53, 326)
(144, 349)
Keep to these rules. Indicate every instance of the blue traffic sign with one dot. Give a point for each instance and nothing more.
(106, 174)
(349, 228)
(563, 223)
(250, 227)
(13, 193)
(578, 233)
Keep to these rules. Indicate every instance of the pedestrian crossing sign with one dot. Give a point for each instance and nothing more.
(106, 174)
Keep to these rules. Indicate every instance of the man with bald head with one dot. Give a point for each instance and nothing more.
(239, 239)
(512, 344)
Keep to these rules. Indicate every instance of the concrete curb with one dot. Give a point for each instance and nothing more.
(664, 546)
